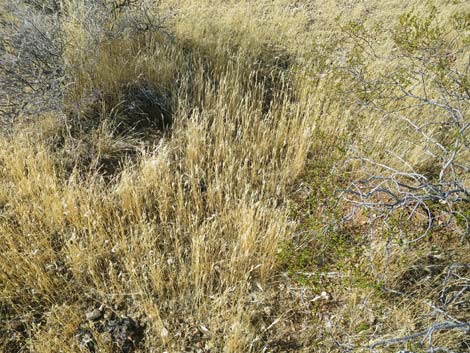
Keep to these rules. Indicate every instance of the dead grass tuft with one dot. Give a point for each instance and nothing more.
(185, 179)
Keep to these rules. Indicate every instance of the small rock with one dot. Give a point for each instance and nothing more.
(93, 315)
(124, 332)
(372, 319)
(85, 338)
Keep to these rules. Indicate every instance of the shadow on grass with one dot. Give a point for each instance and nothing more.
(144, 110)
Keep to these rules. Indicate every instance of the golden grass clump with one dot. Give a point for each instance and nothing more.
(190, 181)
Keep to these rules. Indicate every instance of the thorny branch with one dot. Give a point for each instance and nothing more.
(32, 46)
(447, 325)
(430, 95)
(384, 188)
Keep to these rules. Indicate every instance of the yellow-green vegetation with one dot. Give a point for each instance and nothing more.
(235, 176)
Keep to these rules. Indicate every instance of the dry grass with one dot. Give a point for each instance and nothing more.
(189, 179)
